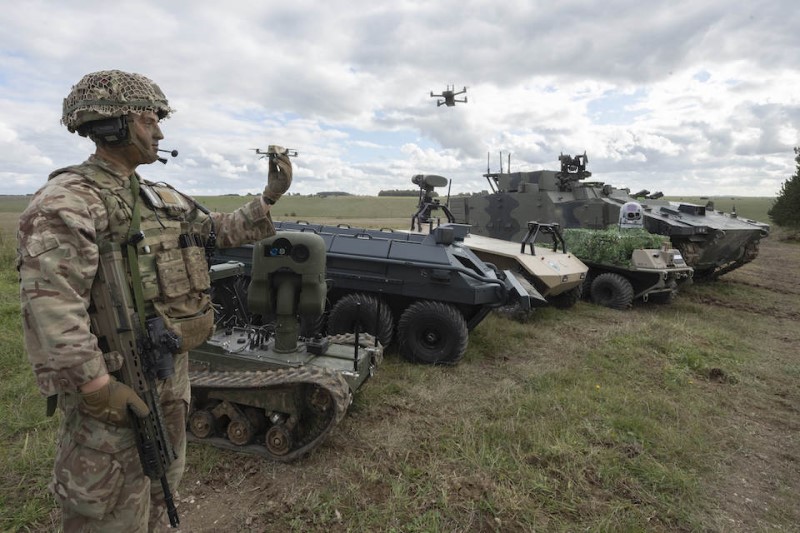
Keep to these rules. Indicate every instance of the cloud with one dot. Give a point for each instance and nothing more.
(684, 97)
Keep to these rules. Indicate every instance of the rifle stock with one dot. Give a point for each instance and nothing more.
(118, 329)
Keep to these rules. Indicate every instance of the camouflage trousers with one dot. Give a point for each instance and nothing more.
(98, 478)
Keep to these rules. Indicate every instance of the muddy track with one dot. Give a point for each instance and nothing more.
(772, 312)
(770, 287)
(774, 270)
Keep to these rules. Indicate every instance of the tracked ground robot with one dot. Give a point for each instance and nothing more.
(260, 387)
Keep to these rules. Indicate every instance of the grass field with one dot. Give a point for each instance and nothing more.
(663, 418)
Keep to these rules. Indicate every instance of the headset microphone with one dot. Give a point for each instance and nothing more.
(173, 153)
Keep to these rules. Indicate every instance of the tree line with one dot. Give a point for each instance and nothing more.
(786, 209)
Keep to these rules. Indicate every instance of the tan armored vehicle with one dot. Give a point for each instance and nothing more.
(556, 274)
(549, 268)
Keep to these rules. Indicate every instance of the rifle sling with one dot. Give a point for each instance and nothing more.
(134, 236)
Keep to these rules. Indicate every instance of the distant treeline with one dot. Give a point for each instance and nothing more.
(325, 194)
(408, 192)
(468, 194)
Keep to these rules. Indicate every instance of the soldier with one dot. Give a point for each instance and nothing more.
(98, 479)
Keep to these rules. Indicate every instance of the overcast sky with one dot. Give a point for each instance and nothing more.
(686, 97)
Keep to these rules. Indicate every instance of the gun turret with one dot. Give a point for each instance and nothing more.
(288, 279)
(572, 169)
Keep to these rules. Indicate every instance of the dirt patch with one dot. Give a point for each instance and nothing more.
(775, 269)
(764, 462)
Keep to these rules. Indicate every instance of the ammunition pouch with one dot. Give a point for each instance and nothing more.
(194, 257)
(174, 272)
(172, 276)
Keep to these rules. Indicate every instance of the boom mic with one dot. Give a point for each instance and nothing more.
(173, 153)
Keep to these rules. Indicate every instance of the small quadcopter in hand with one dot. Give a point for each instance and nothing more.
(273, 150)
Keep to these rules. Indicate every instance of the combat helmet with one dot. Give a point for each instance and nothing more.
(108, 94)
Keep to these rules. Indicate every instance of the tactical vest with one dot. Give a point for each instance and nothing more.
(171, 253)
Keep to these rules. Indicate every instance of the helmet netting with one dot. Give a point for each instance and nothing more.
(112, 93)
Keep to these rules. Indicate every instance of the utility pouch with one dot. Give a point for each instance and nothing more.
(196, 267)
(194, 330)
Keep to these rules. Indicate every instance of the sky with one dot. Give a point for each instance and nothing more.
(685, 97)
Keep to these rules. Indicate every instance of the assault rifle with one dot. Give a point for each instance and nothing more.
(144, 351)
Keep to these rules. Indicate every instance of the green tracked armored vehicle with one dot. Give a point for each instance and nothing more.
(711, 242)
(261, 387)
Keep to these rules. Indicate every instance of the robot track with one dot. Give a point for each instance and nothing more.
(280, 414)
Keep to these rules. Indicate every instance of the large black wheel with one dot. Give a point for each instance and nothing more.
(566, 299)
(369, 313)
(612, 290)
(432, 333)
(586, 290)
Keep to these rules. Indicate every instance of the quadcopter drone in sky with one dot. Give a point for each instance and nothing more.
(449, 96)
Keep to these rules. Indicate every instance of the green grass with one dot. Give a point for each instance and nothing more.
(334, 207)
(615, 437)
(13, 204)
(27, 435)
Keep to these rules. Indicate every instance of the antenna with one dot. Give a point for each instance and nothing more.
(447, 204)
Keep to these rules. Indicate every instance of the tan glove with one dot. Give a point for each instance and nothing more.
(279, 178)
(110, 404)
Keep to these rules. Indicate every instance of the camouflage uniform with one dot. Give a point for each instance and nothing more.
(98, 478)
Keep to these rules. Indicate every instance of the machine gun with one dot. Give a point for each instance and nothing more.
(644, 193)
(572, 169)
(146, 355)
(427, 203)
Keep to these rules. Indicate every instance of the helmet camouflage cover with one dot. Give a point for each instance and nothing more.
(112, 93)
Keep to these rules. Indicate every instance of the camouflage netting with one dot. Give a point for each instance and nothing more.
(609, 246)
(112, 93)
